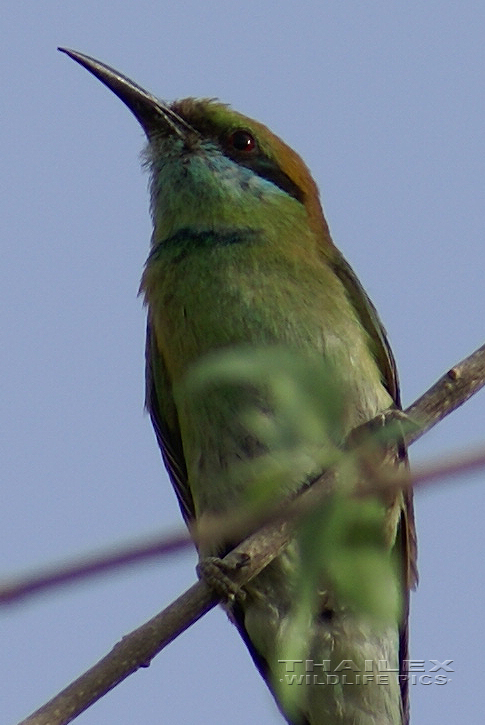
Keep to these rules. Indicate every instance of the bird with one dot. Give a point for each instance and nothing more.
(242, 259)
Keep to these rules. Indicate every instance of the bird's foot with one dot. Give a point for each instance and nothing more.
(385, 429)
(219, 575)
(380, 447)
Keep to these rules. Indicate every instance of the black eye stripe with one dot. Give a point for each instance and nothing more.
(264, 167)
(268, 169)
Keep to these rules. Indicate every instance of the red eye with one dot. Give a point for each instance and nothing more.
(242, 141)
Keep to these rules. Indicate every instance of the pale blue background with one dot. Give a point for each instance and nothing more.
(386, 102)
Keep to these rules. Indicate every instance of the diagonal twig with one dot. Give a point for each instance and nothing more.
(138, 648)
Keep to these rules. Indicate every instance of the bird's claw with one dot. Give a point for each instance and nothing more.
(218, 574)
(374, 429)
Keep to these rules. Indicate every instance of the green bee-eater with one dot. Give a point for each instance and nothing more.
(242, 256)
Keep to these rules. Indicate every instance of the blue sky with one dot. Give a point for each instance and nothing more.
(385, 101)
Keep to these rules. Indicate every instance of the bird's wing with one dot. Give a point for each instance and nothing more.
(406, 536)
(160, 404)
(382, 352)
(370, 321)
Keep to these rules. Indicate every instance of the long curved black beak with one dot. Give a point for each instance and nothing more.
(154, 116)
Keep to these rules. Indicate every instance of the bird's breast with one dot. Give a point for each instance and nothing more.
(213, 289)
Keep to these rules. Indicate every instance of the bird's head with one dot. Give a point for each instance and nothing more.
(209, 162)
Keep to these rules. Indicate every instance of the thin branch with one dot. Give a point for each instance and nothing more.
(155, 546)
(455, 466)
(452, 390)
(247, 560)
(92, 564)
(132, 652)
(138, 648)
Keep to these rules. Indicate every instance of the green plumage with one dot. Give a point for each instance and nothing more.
(242, 260)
